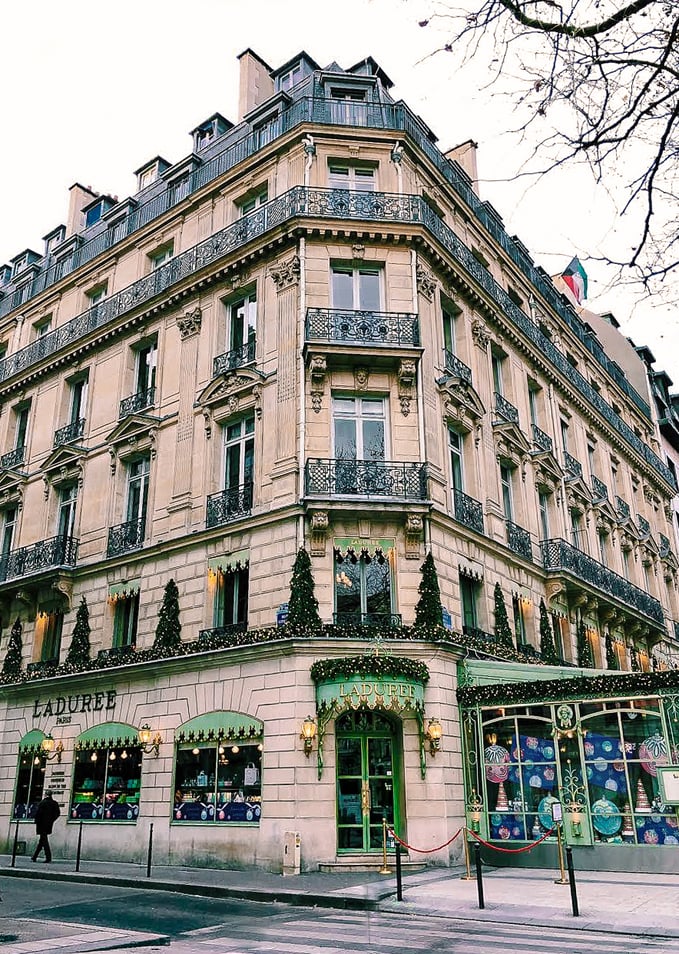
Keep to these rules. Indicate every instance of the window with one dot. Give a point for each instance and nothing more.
(496, 365)
(506, 486)
(533, 407)
(138, 472)
(362, 587)
(95, 296)
(564, 435)
(254, 201)
(515, 296)
(557, 629)
(455, 443)
(147, 359)
(469, 591)
(78, 399)
(449, 317)
(125, 621)
(67, 502)
(43, 327)
(543, 508)
(356, 289)
(51, 626)
(291, 77)
(359, 428)
(602, 539)
(591, 459)
(21, 415)
(106, 784)
(519, 620)
(218, 782)
(161, 255)
(358, 178)
(348, 106)
(231, 597)
(94, 213)
(625, 564)
(577, 530)
(30, 783)
(239, 454)
(242, 331)
(147, 177)
(180, 189)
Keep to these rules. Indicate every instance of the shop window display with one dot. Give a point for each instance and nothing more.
(218, 782)
(30, 784)
(106, 784)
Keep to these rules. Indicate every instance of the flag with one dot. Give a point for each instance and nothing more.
(575, 277)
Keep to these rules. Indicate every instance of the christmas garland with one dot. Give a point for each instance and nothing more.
(325, 670)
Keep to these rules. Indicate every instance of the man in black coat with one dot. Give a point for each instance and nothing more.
(46, 814)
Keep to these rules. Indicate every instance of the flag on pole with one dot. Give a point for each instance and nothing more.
(575, 277)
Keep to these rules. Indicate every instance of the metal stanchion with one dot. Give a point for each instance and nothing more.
(80, 842)
(385, 867)
(150, 852)
(559, 848)
(15, 845)
(399, 879)
(479, 873)
(571, 880)
(468, 876)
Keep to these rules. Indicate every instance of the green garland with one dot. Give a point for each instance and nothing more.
(325, 670)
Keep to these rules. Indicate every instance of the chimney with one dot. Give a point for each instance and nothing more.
(465, 155)
(79, 197)
(256, 84)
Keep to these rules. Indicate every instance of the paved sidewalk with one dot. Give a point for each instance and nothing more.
(638, 904)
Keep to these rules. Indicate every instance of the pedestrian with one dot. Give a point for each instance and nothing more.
(46, 814)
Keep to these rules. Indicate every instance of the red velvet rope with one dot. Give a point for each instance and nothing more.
(423, 851)
(511, 851)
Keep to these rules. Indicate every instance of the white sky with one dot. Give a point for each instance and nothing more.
(90, 91)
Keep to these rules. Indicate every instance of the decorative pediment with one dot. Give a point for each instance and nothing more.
(230, 393)
(64, 465)
(11, 487)
(511, 446)
(134, 435)
(547, 471)
(578, 493)
(605, 516)
(462, 406)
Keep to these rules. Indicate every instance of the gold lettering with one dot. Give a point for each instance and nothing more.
(393, 690)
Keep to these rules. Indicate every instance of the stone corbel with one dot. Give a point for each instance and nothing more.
(65, 587)
(413, 534)
(407, 372)
(189, 322)
(552, 589)
(285, 274)
(426, 283)
(207, 418)
(257, 394)
(320, 523)
(318, 370)
(114, 459)
(480, 334)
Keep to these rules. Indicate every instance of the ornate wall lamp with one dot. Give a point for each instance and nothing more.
(433, 735)
(51, 749)
(149, 743)
(308, 734)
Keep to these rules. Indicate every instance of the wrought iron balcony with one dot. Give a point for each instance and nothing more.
(221, 632)
(468, 511)
(541, 440)
(599, 489)
(366, 478)
(572, 466)
(236, 358)
(557, 555)
(475, 633)
(137, 402)
(519, 540)
(45, 555)
(227, 505)
(622, 508)
(13, 458)
(458, 368)
(71, 432)
(644, 526)
(505, 410)
(126, 536)
(117, 653)
(382, 620)
(397, 329)
(664, 548)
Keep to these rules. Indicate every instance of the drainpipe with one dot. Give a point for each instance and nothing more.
(310, 151)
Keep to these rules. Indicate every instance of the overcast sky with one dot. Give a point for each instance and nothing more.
(90, 91)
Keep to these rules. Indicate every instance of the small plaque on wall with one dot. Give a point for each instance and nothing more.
(668, 781)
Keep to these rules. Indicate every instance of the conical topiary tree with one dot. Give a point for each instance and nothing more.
(79, 651)
(169, 629)
(429, 612)
(547, 647)
(12, 664)
(585, 655)
(503, 631)
(611, 658)
(303, 605)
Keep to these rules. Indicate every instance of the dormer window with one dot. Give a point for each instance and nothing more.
(291, 78)
(5, 274)
(22, 261)
(150, 171)
(210, 130)
(54, 238)
(94, 210)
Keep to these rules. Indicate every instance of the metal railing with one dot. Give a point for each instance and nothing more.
(362, 327)
(599, 489)
(137, 402)
(644, 526)
(126, 536)
(457, 368)
(518, 540)
(13, 458)
(366, 478)
(70, 432)
(572, 466)
(236, 358)
(230, 504)
(541, 440)
(38, 557)
(219, 632)
(622, 508)
(664, 548)
(557, 555)
(382, 620)
(477, 633)
(505, 410)
(468, 511)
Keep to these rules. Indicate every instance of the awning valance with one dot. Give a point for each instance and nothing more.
(32, 741)
(124, 589)
(107, 735)
(353, 548)
(470, 569)
(229, 562)
(220, 725)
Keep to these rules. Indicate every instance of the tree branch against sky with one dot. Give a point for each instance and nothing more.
(594, 81)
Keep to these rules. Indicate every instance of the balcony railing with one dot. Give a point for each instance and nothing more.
(137, 402)
(519, 540)
(572, 466)
(397, 329)
(458, 368)
(44, 555)
(227, 505)
(599, 489)
(13, 458)
(557, 555)
(126, 536)
(541, 440)
(70, 432)
(236, 358)
(644, 526)
(622, 508)
(219, 632)
(468, 511)
(366, 478)
(664, 548)
(381, 620)
(505, 410)
(477, 633)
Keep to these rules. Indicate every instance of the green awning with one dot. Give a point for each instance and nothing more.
(124, 589)
(359, 545)
(229, 562)
(32, 741)
(107, 735)
(220, 725)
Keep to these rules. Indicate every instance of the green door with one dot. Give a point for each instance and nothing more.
(368, 779)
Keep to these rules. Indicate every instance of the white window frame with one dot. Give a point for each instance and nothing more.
(356, 272)
(360, 404)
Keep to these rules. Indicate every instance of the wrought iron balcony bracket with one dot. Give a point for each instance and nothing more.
(505, 411)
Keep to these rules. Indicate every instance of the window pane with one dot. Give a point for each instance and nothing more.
(345, 439)
(373, 440)
(348, 587)
(369, 291)
(378, 587)
(342, 289)
(218, 782)
(30, 782)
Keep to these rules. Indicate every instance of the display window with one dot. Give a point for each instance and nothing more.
(218, 781)
(106, 784)
(30, 784)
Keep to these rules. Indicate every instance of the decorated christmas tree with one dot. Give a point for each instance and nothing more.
(429, 612)
(12, 664)
(303, 605)
(611, 658)
(79, 650)
(585, 656)
(547, 647)
(169, 629)
(503, 631)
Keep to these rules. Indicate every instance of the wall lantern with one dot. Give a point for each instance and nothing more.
(308, 734)
(433, 736)
(149, 744)
(51, 749)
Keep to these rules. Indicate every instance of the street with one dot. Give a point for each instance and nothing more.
(48, 916)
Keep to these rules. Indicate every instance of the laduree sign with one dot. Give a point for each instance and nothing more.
(81, 702)
(355, 692)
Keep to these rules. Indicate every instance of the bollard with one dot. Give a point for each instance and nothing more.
(479, 873)
(150, 852)
(468, 875)
(571, 881)
(80, 842)
(399, 878)
(385, 867)
(14, 846)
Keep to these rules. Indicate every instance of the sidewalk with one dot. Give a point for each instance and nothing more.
(639, 904)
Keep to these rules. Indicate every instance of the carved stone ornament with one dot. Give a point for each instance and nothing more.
(426, 283)
(359, 252)
(413, 534)
(257, 394)
(318, 370)
(553, 588)
(285, 274)
(64, 586)
(361, 377)
(407, 371)
(320, 522)
(480, 334)
(189, 322)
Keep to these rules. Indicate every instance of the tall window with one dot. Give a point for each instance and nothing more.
(519, 620)
(543, 508)
(30, 783)
(52, 628)
(498, 377)
(138, 474)
(125, 621)
(9, 522)
(577, 530)
(469, 591)
(449, 316)
(360, 179)
(533, 408)
(254, 201)
(356, 289)
(625, 564)
(455, 443)
(95, 296)
(106, 784)
(147, 359)
(67, 501)
(21, 426)
(506, 486)
(359, 428)
(78, 399)
(564, 435)
(243, 325)
(603, 547)
(231, 597)
(591, 459)
(161, 255)
(239, 453)
(362, 588)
